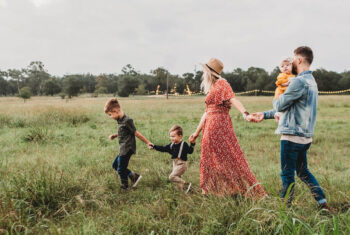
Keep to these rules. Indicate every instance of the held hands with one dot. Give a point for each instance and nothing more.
(255, 117)
(277, 117)
(112, 137)
(193, 138)
(150, 146)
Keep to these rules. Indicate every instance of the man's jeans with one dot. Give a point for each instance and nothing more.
(120, 164)
(294, 158)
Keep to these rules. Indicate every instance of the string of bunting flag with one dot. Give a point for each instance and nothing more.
(256, 91)
(272, 92)
(334, 92)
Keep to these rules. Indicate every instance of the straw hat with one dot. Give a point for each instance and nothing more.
(215, 66)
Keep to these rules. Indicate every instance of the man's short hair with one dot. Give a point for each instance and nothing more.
(176, 128)
(112, 104)
(306, 53)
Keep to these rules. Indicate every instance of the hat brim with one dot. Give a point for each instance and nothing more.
(212, 71)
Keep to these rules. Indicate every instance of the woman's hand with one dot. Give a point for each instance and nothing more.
(193, 137)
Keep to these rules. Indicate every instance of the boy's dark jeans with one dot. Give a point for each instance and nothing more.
(120, 164)
(294, 158)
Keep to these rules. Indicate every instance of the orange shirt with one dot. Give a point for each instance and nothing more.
(282, 79)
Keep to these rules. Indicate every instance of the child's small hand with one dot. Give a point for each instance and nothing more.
(112, 137)
(150, 146)
(285, 84)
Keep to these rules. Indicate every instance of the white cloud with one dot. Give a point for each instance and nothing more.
(39, 3)
(3, 3)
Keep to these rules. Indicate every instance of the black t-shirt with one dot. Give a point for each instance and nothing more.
(174, 149)
(126, 135)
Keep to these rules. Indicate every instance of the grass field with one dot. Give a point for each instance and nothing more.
(56, 175)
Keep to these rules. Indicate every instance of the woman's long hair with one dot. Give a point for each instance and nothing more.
(208, 79)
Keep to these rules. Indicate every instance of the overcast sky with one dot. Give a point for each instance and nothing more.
(101, 36)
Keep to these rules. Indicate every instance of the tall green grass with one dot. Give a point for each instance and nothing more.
(56, 175)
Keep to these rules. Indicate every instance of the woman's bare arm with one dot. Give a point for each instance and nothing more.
(238, 105)
(194, 136)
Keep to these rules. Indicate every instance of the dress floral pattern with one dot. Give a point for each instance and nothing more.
(223, 167)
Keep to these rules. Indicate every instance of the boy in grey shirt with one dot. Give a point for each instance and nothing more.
(127, 143)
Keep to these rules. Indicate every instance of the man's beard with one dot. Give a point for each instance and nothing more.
(294, 69)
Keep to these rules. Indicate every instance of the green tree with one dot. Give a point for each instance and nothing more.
(3, 83)
(17, 76)
(271, 82)
(127, 85)
(327, 80)
(189, 79)
(72, 85)
(160, 77)
(129, 70)
(101, 84)
(197, 81)
(102, 90)
(149, 82)
(140, 90)
(344, 82)
(236, 79)
(36, 76)
(25, 93)
(88, 82)
(51, 87)
(112, 83)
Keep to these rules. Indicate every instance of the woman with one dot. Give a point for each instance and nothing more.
(223, 167)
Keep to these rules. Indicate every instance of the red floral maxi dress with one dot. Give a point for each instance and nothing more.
(223, 167)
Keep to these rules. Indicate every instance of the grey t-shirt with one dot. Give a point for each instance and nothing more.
(126, 135)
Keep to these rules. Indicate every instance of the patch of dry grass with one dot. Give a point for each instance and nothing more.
(56, 174)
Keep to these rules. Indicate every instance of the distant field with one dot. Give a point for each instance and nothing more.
(56, 175)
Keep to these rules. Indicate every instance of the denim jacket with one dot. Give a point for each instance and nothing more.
(299, 107)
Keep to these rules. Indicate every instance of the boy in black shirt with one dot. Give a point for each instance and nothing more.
(178, 150)
(127, 143)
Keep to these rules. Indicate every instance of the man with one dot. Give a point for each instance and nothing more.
(296, 124)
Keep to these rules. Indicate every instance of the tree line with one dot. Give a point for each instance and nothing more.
(36, 80)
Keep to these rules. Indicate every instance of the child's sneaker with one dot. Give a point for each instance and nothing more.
(135, 179)
(188, 187)
(325, 207)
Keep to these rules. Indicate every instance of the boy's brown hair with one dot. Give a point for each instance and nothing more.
(176, 128)
(112, 104)
(305, 52)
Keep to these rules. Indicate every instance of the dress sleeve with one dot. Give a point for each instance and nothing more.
(224, 92)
